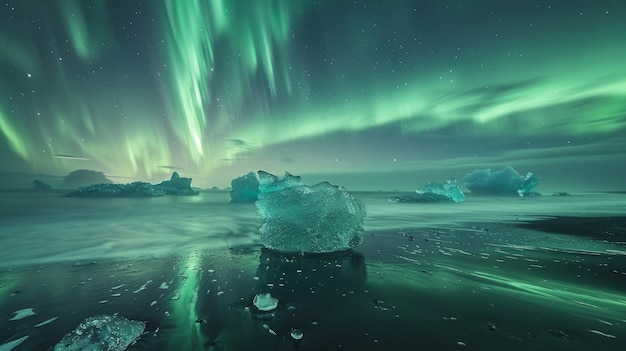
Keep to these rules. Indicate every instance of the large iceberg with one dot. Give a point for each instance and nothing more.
(244, 189)
(506, 181)
(102, 333)
(448, 191)
(312, 219)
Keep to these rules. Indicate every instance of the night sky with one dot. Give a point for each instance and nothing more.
(366, 94)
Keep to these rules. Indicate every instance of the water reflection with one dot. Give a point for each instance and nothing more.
(316, 293)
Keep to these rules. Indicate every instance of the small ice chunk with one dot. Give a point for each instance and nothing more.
(117, 287)
(153, 303)
(13, 344)
(111, 333)
(265, 302)
(48, 321)
(20, 314)
(297, 334)
(315, 219)
(164, 286)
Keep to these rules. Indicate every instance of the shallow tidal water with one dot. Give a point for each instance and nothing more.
(543, 273)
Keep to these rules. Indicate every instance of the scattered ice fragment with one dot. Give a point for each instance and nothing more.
(219, 293)
(116, 295)
(48, 321)
(315, 219)
(164, 286)
(152, 303)
(265, 326)
(20, 314)
(111, 333)
(296, 334)
(271, 331)
(104, 301)
(117, 287)
(176, 295)
(602, 333)
(12, 344)
(211, 270)
(265, 302)
(143, 287)
(461, 343)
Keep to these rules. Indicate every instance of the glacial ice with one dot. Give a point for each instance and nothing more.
(244, 189)
(265, 302)
(313, 219)
(101, 333)
(530, 182)
(506, 181)
(448, 191)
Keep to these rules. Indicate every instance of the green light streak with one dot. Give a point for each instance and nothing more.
(249, 34)
(541, 109)
(576, 296)
(184, 309)
(87, 30)
(13, 135)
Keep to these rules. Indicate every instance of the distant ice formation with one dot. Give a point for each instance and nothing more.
(448, 191)
(244, 189)
(111, 333)
(506, 181)
(530, 182)
(136, 189)
(177, 185)
(307, 219)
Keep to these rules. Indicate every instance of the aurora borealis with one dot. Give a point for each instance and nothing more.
(400, 91)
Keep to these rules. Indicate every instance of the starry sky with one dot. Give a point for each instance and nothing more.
(366, 94)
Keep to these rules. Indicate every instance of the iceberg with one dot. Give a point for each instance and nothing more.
(100, 333)
(177, 185)
(244, 189)
(506, 181)
(530, 182)
(307, 219)
(136, 189)
(448, 191)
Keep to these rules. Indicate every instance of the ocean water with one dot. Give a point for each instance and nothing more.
(541, 273)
